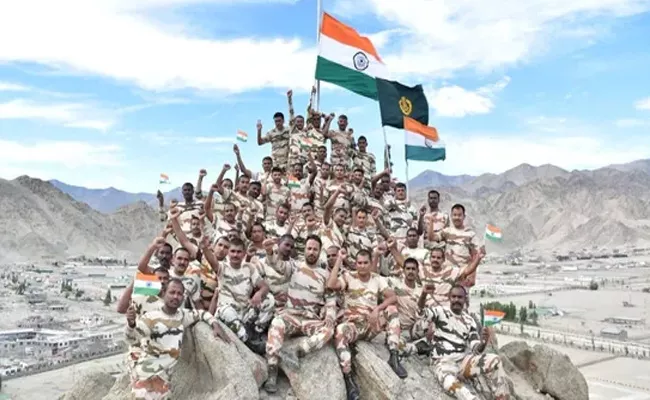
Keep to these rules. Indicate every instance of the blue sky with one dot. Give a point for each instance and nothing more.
(114, 92)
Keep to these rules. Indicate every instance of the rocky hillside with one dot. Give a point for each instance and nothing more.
(549, 208)
(40, 222)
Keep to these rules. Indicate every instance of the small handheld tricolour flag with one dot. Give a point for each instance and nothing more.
(492, 317)
(164, 179)
(242, 136)
(493, 233)
(146, 285)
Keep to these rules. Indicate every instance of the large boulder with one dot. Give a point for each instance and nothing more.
(91, 386)
(208, 369)
(319, 376)
(547, 370)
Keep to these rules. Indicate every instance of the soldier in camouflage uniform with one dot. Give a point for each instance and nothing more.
(461, 243)
(402, 214)
(342, 143)
(279, 225)
(458, 350)
(334, 231)
(274, 265)
(435, 217)
(156, 338)
(310, 311)
(359, 237)
(364, 315)
(444, 276)
(244, 304)
(279, 139)
(365, 160)
(274, 194)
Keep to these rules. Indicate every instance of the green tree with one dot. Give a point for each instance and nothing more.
(523, 315)
(593, 285)
(530, 304)
(78, 294)
(533, 317)
(108, 298)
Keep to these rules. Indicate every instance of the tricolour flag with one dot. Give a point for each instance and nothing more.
(242, 136)
(146, 285)
(164, 179)
(348, 59)
(421, 142)
(493, 233)
(293, 182)
(492, 317)
(305, 143)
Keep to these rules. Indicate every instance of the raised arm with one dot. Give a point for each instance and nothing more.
(392, 246)
(199, 183)
(226, 168)
(333, 281)
(260, 140)
(327, 210)
(208, 206)
(472, 266)
(313, 169)
(292, 114)
(377, 177)
(326, 127)
(206, 250)
(423, 212)
(161, 206)
(125, 299)
(143, 264)
(240, 162)
(180, 235)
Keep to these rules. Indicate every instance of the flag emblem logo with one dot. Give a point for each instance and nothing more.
(428, 143)
(405, 106)
(360, 61)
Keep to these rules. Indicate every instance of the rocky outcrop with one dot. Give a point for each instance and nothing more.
(546, 370)
(211, 369)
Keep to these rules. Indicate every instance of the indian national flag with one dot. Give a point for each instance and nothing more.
(421, 142)
(348, 59)
(493, 233)
(293, 182)
(242, 136)
(492, 317)
(305, 143)
(164, 179)
(146, 285)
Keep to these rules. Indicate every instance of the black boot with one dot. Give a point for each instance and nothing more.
(271, 384)
(351, 387)
(423, 347)
(394, 364)
(257, 342)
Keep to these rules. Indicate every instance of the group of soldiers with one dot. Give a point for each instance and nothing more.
(316, 249)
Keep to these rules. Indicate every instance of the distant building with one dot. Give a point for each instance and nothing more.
(625, 321)
(614, 333)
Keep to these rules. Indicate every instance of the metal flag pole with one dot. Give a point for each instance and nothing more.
(386, 150)
(408, 185)
(319, 15)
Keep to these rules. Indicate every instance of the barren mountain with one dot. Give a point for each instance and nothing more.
(574, 210)
(40, 221)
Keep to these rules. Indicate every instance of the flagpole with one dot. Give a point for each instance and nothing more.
(319, 14)
(408, 186)
(386, 151)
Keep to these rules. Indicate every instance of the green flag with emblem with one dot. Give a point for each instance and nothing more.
(397, 101)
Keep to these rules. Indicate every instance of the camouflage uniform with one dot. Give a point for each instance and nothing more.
(142, 304)
(460, 245)
(317, 139)
(359, 299)
(236, 286)
(207, 276)
(275, 196)
(300, 233)
(188, 210)
(320, 195)
(455, 336)
(155, 347)
(273, 230)
(440, 220)
(402, 216)
(341, 147)
(358, 239)
(443, 280)
(333, 235)
(418, 253)
(248, 209)
(298, 147)
(222, 227)
(192, 284)
(279, 140)
(278, 281)
(367, 162)
(388, 267)
(310, 311)
(414, 328)
(299, 195)
(344, 200)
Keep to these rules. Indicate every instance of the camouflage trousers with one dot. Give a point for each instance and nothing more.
(149, 380)
(451, 373)
(412, 335)
(348, 332)
(237, 321)
(285, 325)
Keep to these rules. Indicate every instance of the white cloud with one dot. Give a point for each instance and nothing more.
(631, 123)
(120, 41)
(70, 154)
(13, 87)
(643, 104)
(446, 36)
(455, 101)
(74, 115)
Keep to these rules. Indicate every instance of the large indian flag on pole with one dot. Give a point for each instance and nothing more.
(146, 285)
(493, 233)
(348, 59)
(492, 317)
(421, 142)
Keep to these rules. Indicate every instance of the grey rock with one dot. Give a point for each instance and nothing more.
(546, 370)
(91, 386)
